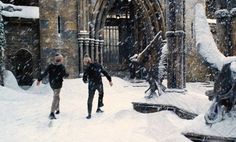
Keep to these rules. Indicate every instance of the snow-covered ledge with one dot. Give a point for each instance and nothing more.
(29, 12)
(205, 43)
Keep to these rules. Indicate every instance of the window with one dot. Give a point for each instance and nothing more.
(59, 24)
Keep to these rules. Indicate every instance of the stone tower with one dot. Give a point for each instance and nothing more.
(58, 32)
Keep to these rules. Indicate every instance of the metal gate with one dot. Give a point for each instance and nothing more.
(111, 46)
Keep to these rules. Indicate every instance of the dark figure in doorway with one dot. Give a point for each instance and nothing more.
(92, 74)
(56, 72)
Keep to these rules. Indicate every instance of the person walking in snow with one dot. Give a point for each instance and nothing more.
(56, 72)
(92, 75)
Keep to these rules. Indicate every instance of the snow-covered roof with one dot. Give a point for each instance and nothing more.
(26, 12)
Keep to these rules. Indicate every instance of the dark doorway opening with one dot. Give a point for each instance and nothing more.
(23, 68)
(118, 41)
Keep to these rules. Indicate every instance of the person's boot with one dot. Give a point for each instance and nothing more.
(101, 104)
(89, 116)
(99, 110)
(58, 112)
(100, 101)
(52, 116)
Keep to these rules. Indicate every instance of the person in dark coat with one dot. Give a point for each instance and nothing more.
(56, 72)
(92, 75)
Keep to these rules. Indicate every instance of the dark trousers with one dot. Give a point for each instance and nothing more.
(92, 87)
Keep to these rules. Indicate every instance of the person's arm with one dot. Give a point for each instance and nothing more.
(44, 74)
(107, 76)
(65, 73)
(85, 75)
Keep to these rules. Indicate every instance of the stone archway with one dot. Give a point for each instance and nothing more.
(23, 67)
(145, 20)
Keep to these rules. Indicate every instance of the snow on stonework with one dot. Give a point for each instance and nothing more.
(193, 100)
(205, 43)
(233, 12)
(26, 12)
(226, 128)
(222, 13)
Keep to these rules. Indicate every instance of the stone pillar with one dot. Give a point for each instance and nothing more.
(175, 41)
(101, 43)
(171, 76)
(233, 29)
(81, 56)
(2, 46)
(223, 33)
(83, 47)
(96, 50)
(179, 42)
(86, 41)
(2, 66)
(92, 48)
(83, 14)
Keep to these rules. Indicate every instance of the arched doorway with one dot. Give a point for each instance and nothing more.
(23, 66)
(126, 27)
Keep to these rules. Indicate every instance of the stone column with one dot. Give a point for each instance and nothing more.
(86, 41)
(2, 46)
(92, 48)
(2, 66)
(175, 38)
(223, 31)
(81, 56)
(233, 29)
(171, 76)
(170, 35)
(83, 15)
(179, 42)
(96, 50)
(101, 43)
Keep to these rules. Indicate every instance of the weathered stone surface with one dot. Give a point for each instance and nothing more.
(22, 34)
(58, 22)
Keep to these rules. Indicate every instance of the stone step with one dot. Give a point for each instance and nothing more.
(151, 108)
(207, 138)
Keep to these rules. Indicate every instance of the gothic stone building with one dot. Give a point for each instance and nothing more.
(110, 31)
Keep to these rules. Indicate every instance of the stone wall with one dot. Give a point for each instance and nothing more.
(22, 34)
(58, 33)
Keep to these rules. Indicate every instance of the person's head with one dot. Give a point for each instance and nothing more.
(87, 60)
(58, 58)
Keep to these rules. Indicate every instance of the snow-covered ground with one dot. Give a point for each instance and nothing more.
(24, 114)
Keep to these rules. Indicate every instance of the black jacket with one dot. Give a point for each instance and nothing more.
(93, 73)
(56, 73)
